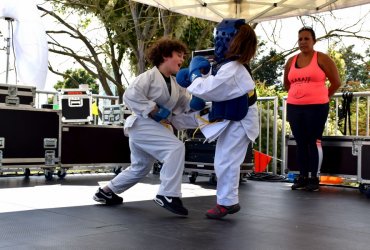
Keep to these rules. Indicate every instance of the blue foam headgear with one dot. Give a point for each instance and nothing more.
(225, 31)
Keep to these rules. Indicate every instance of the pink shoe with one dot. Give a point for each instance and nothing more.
(220, 211)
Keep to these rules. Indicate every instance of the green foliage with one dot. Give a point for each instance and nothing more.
(354, 72)
(64, 7)
(351, 123)
(356, 65)
(339, 61)
(264, 90)
(354, 68)
(267, 117)
(268, 68)
(196, 33)
(133, 26)
(73, 78)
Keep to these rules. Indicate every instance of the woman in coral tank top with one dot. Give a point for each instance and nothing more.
(308, 105)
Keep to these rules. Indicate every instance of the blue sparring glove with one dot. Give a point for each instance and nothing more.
(182, 78)
(198, 66)
(161, 114)
(197, 103)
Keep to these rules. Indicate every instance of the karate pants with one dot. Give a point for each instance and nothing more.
(231, 150)
(150, 141)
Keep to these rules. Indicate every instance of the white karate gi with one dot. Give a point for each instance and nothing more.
(231, 81)
(150, 140)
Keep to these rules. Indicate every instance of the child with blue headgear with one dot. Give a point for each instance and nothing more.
(230, 88)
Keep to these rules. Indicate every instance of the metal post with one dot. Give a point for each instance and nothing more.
(283, 141)
(8, 48)
(275, 133)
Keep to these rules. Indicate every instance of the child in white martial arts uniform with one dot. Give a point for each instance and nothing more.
(155, 98)
(229, 89)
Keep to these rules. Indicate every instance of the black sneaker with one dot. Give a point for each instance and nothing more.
(313, 184)
(109, 198)
(299, 183)
(173, 204)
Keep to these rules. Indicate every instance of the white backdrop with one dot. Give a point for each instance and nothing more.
(29, 41)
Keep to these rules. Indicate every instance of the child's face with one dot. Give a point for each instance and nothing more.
(173, 64)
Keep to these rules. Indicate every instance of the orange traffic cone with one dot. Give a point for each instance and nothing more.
(261, 161)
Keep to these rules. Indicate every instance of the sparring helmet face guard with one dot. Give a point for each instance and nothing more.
(224, 33)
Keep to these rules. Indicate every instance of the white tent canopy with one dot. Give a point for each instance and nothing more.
(250, 10)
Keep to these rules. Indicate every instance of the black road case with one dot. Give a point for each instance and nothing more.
(199, 159)
(347, 156)
(361, 148)
(29, 137)
(115, 114)
(338, 156)
(94, 146)
(76, 105)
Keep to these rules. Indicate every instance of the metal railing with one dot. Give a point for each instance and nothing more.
(42, 97)
(267, 110)
(332, 128)
(268, 118)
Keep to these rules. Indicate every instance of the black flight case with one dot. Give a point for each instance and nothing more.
(345, 156)
(199, 159)
(94, 147)
(29, 138)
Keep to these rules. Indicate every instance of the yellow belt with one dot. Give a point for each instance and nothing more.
(166, 124)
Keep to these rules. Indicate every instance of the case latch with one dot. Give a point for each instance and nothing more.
(12, 98)
(356, 146)
(50, 142)
(49, 158)
(2, 142)
(75, 102)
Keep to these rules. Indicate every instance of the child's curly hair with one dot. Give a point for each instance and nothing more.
(164, 48)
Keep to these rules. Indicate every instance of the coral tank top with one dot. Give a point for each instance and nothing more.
(307, 84)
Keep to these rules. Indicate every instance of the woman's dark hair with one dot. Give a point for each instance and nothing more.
(244, 44)
(164, 48)
(309, 29)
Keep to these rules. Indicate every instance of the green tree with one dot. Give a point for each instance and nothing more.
(129, 28)
(73, 78)
(268, 68)
(339, 61)
(266, 114)
(356, 70)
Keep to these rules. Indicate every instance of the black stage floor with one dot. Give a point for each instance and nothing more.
(60, 214)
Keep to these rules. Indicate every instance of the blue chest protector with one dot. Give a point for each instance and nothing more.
(235, 109)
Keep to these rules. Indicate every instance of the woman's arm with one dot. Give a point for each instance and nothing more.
(286, 72)
(331, 72)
